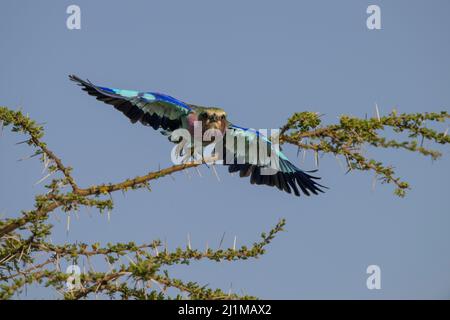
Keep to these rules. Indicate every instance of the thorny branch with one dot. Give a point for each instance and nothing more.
(19, 253)
(348, 138)
(26, 255)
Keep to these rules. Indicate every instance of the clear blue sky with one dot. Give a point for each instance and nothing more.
(261, 61)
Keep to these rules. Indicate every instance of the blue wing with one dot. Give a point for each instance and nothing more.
(150, 108)
(285, 176)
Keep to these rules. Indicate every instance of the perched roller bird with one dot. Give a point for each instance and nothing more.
(165, 113)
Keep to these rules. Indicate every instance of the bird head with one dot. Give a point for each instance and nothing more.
(213, 118)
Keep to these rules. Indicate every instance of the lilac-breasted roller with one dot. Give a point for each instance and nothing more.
(163, 112)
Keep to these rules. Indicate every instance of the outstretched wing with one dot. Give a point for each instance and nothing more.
(152, 109)
(285, 176)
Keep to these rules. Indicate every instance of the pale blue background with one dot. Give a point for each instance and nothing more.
(261, 61)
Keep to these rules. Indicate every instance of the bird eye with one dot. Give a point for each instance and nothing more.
(222, 117)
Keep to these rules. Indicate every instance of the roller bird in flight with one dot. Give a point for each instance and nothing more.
(168, 114)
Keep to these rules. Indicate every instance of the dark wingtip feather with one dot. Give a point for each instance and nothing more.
(88, 86)
(78, 80)
(74, 77)
(296, 181)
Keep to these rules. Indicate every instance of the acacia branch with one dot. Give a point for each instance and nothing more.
(22, 123)
(349, 137)
(136, 182)
(304, 130)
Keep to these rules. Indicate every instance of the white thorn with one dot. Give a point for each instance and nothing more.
(57, 263)
(339, 162)
(316, 158)
(47, 162)
(48, 175)
(221, 240)
(68, 223)
(198, 171)
(374, 182)
(213, 166)
(27, 157)
(378, 112)
(189, 241)
(446, 132)
(22, 142)
(187, 173)
(234, 243)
